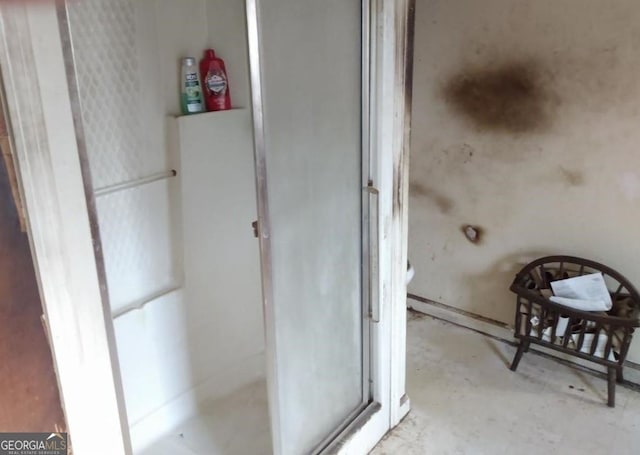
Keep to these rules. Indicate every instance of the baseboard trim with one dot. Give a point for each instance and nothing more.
(459, 311)
(504, 333)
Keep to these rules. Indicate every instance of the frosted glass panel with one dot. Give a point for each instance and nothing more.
(311, 56)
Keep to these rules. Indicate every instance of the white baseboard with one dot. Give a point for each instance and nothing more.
(146, 431)
(504, 332)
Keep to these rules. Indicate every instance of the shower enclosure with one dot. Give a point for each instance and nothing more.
(252, 261)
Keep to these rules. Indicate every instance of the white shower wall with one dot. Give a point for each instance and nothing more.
(177, 345)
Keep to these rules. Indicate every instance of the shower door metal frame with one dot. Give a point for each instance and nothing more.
(368, 284)
(386, 24)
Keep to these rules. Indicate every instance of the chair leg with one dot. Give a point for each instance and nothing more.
(522, 347)
(611, 386)
(619, 376)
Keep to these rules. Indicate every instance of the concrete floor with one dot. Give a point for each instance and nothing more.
(465, 401)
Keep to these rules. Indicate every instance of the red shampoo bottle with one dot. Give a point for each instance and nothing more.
(215, 82)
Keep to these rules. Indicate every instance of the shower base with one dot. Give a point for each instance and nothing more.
(237, 424)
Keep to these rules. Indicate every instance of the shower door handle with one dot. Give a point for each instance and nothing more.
(374, 251)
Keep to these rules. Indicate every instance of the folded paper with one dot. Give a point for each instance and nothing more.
(586, 293)
(580, 304)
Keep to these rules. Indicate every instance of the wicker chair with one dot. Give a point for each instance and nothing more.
(599, 337)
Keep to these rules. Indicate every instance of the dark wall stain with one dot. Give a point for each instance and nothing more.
(444, 204)
(512, 97)
(572, 177)
(474, 234)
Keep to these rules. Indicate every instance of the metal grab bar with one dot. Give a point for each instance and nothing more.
(374, 253)
(134, 183)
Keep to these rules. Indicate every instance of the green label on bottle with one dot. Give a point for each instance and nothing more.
(192, 96)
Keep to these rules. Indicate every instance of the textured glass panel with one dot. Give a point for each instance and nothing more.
(124, 142)
(312, 101)
(103, 34)
(136, 234)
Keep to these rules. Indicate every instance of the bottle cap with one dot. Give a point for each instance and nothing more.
(210, 53)
(189, 61)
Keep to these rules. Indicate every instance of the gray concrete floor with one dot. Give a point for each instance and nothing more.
(465, 400)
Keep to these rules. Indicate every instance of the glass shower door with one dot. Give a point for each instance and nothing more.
(307, 83)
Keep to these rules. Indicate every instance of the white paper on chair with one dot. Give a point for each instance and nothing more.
(580, 304)
(586, 293)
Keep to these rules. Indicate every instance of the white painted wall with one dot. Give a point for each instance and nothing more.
(571, 187)
(198, 331)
